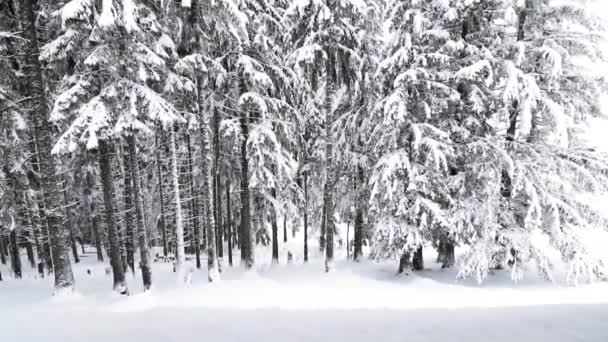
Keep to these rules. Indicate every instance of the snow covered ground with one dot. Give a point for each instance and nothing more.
(355, 302)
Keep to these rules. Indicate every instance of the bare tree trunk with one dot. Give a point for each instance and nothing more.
(162, 198)
(68, 221)
(228, 221)
(418, 260)
(2, 250)
(245, 237)
(217, 193)
(275, 230)
(15, 256)
(358, 249)
(64, 278)
(305, 217)
(129, 209)
(146, 270)
(29, 249)
(285, 226)
(180, 257)
(194, 204)
(107, 183)
(404, 262)
(207, 188)
(329, 182)
(322, 241)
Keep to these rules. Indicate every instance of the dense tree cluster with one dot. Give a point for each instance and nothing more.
(204, 127)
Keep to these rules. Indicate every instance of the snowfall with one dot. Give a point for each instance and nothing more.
(364, 301)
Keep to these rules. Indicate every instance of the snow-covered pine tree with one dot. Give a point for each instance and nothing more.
(109, 94)
(325, 36)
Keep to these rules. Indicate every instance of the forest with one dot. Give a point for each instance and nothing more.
(199, 131)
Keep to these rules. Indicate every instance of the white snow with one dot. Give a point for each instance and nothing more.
(299, 302)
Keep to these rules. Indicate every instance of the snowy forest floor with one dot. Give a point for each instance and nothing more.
(355, 302)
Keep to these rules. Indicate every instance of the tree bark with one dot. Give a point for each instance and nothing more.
(107, 183)
(2, 250)
(418, 260)
(129, 209)
(29, 249)
(404, 262)
(207, 187)
(329, 180)
(217, 193)
(194, 204)
(358, 240)
(448, 258)
(15, 256)
(64, 278)
(285, 226)
(228, 221)
(245, 237)
(162, 198)
(275, 230)
(180, 257)
(323, 223)
(144, 250)
(305, 217)
(68, 222)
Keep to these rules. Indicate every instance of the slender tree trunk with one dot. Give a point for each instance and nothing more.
(228, 221)
(64, 278)
(97, 235)
(323, 223)
(129, 210)
(358, 249)
(329, 182)
(404, 262)
(245, 237)
(275, 230)
(29, 249)
(207, 188)
(194, 204)
(162, 198)
(2, 250)
(448, 259)
(15, 256)
(68, 222)
(180, 257)
(305, 217)
(285, 227)
(217, 193)
(418, 260)
(107, 183)
(144, 250)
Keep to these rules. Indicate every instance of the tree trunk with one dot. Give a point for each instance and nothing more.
(97, 235)
(228, 221)
(144, 250)
(128, 204)
(64, 278)
(285, 226)
(275, 230)
(358, 239)
(329, 180)
(194, 204)
(162, 198)
(404, 262)
(217, 193)
(448, 258)
(15, 256)
(68, 222)
(245, 237)
(207, 187)
(418, 260)
(2, 250)
(29, 249)
(305, 217)
(180, 257)
(107, 183)
(323, 223)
